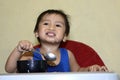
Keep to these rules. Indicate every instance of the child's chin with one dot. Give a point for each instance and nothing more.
(53, 41)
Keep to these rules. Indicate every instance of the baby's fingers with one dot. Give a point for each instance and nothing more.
(24, 45)
(104, 68)
(94, 68)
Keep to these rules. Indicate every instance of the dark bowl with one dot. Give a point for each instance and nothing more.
(31, 66)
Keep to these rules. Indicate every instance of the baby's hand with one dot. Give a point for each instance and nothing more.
(24, 46)
(95, 68)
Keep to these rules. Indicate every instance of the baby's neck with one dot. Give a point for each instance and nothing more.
(45, 48)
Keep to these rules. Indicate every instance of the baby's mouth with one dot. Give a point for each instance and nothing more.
(50, 34)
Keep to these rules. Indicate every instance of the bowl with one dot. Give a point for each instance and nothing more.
(31, 66)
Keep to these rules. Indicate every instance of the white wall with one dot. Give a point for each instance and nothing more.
(97, 23)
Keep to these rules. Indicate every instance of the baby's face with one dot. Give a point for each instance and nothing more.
(51, 28)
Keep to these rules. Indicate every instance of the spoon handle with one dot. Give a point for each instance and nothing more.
(36, 51)
(33, 50)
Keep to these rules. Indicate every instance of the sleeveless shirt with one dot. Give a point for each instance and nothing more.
(63, 65)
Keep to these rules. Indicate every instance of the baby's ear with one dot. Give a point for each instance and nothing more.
(65, 38)
(36, 34)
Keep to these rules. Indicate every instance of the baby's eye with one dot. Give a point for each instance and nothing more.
(58, 25)
(45, 23)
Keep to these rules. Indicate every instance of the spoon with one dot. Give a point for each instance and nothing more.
(48, 56)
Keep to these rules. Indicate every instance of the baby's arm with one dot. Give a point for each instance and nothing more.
(73, 63)
(11, 64)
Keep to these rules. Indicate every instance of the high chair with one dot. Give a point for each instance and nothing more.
(84, 54)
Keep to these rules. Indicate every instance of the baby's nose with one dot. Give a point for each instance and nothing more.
(52, 27)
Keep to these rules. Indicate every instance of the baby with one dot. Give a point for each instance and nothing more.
(52, 27)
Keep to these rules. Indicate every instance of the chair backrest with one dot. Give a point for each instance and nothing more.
(84, 54)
